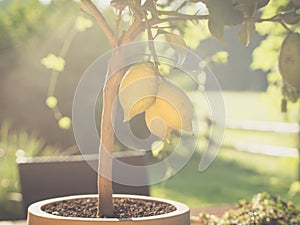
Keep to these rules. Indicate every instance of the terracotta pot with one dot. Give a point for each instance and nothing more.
(181, 216)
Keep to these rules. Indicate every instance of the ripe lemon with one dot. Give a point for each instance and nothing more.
(156, 124)
(138, 89)
(174, 106)
(289, 60)
(172, 110)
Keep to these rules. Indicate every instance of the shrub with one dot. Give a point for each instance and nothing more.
(263, 209)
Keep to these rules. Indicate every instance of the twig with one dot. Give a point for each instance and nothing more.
(86, 13)
(118, 22)
(285, 26)
(67, 43)
(181, 6)
(142, 26)
(163, 27)
(101, 22)
(182, 16)
(275, 19)
(151, 44)
(62, 53)
(132, 33)
(271, 19)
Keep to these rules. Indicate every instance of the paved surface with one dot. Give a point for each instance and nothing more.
(21, 222)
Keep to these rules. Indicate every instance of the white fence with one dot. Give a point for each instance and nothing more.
(263, 126)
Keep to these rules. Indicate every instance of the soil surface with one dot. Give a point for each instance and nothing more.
(123, 208)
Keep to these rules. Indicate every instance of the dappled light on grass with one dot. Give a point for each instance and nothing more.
(234, 175)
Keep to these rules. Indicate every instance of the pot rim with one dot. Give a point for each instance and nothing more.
(35, 208)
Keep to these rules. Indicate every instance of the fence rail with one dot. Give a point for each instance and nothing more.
(264, 126)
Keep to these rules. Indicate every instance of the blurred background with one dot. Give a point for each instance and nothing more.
(255, 157)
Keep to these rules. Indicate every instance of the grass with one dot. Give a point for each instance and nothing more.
(235, 175)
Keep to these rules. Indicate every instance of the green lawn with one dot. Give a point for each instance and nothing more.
(235, 175)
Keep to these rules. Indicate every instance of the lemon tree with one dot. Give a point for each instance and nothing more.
(141, 89)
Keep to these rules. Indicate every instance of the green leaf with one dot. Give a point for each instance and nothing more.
(273, 7)
(157, 147)
(290, 18)
(51, 102)
(83, 23)
(294, 188)
(164, 69)
(216, 29)
(262, 3)
(249, 7)
(202, 77)
(65, 123)
(217, 9)
(53, 62)
(243, 35)
(274, 77)
(224, 12)
(296, 3)
(196, 1)
(195, 33)
(233, 17)
(220, 57)
(246, 33)
(178, 44)
(265, 56)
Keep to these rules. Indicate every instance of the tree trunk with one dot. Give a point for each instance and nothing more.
(110, 92)
(299, 152)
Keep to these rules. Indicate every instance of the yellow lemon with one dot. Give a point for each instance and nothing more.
(172, 110)
(156, 124)
(138, 89)
(174, 107)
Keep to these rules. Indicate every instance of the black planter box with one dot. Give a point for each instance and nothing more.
(49, 177)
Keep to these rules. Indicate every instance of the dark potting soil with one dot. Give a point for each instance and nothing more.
(123, 208)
